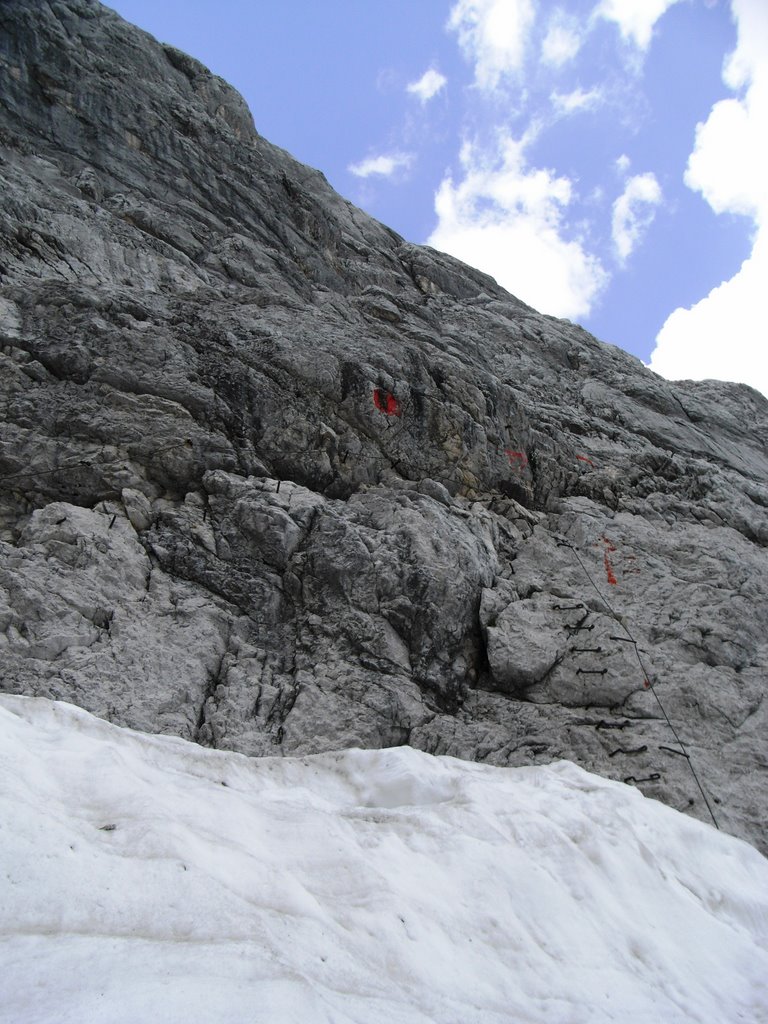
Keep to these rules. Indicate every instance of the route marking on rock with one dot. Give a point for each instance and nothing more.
(609, 573)
(386, 402)
(583, 458)
(518, 460)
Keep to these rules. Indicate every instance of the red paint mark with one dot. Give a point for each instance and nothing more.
(386, 402)
(609, 573)
(516, 459)
(583, 458)
(646, 684)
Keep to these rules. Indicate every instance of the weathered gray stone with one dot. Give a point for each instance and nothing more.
(525, 642)
(273, 479)
(138, 508)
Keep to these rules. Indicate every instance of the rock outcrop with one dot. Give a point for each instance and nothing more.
(273, 479)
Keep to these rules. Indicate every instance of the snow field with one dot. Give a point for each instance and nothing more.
(145, 879)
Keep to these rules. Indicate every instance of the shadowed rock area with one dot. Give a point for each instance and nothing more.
(275, 480)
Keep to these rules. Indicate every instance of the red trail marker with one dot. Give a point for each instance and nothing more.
(386, 402)
(609, 573)
(516, 459)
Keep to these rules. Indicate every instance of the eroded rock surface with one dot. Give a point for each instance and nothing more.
(274, 479)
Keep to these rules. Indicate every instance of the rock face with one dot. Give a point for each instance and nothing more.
(273, 479)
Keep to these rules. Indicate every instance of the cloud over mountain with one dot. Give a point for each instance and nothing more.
(721, 335)
(507, 218)
(633, 213)
(384, 165)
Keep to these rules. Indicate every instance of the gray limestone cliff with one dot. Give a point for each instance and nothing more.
(274, 480)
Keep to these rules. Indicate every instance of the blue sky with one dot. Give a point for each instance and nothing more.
(604, 160)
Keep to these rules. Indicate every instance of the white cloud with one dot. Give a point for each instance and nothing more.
(576, 101)
(635, 18)
(722, 336)
(747, 63)
(429, 85)
(493, 35)
(633, 213)
(728, 164)
(623, 164)
(562, 41)
(506, 219)
(384, 165)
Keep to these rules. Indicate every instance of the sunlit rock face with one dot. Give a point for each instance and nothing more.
(275, 480)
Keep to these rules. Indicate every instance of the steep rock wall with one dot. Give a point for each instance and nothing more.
(273, 479)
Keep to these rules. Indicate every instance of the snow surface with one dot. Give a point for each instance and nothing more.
(145, 879)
